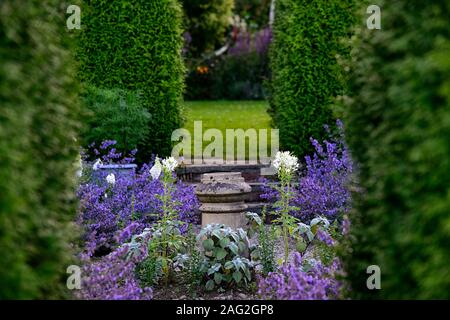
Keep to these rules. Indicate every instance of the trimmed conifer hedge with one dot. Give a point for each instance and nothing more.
(137, 45)
(305, 73)
(398, 127)
(39, 122)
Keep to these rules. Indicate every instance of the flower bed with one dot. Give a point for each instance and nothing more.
(141, 234)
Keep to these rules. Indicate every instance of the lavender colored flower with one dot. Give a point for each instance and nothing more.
(246, 43)
(323, 184)
(112, 278)
(325, 237)
(295, 282)
(108, 212)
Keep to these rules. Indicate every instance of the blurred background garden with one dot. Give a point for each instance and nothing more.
(365, 111)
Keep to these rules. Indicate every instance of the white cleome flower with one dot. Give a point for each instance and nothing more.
(155, 171)
(170, 164)
(97, 164)
(285, 161)
(111, 178)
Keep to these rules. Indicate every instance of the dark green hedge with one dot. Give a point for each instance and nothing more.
(137, 45)
(305, 73)
(116, 114)
(398, 127)
(39, 121)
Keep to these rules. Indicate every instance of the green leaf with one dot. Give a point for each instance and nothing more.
(310, 235)
(247, 274)
(255, 255)
(220, 253)
(214, 268)
(301, 246)
(242, 246)
(217, 278)
(208, 244)
(218, 234)
(237, 276)
(209, 285)
(234, 248)
(224, 242)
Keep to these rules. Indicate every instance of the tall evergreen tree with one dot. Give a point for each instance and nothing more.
(39, 121)
(398, 127)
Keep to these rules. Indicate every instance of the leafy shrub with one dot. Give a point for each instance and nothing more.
(398, 124)
(40, 120)
(136, 45)
(163, 246)
(305, 73)
(319, 238)
(264, 252)
(192, 263)
(115, 115)
(224, 249)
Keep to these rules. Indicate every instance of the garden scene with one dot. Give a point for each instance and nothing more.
(224, 150)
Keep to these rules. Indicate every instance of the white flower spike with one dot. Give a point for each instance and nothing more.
(285, 161)
(170, 164)
(111, 179)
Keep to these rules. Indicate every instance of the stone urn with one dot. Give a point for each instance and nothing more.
(222, 196)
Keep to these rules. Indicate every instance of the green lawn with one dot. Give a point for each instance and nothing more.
(224, 115)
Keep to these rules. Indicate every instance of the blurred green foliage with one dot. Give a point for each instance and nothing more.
(39, 123)
(229, 77)
(305, 73)
(255, 12)
(116, 114)
(398, 127)
(137, 45)
(206, 21)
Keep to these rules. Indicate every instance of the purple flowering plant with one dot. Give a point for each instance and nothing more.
(116, 209)
(112, 277)
(301, 280)
(323, 184)
(110, 214)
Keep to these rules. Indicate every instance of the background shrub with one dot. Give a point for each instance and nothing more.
(38, 128)
(206, 22)
(398, 120)
(305, 73)
(255, 12)
(136, 45)
(115, 115)
(237, 75)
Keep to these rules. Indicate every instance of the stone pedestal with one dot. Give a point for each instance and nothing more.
(222, 196)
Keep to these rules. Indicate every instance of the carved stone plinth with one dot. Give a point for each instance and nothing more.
(222, 196)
